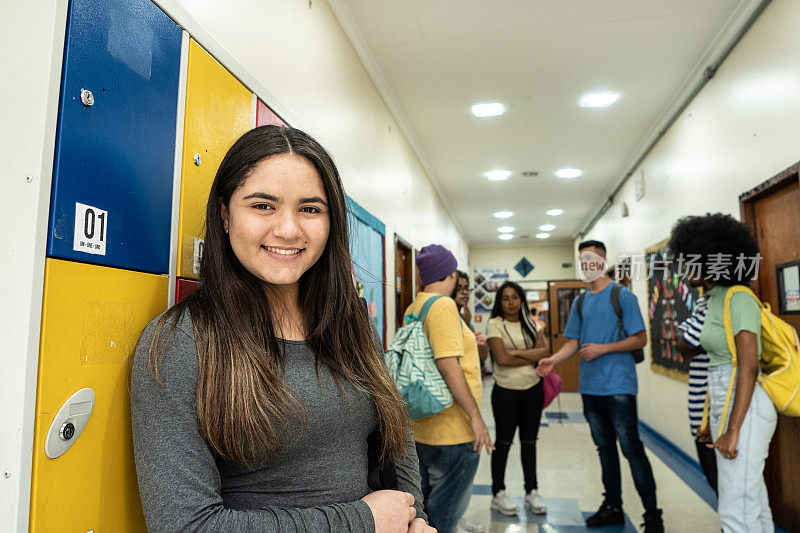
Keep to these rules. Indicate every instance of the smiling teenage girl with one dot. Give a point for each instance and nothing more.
(253, 398)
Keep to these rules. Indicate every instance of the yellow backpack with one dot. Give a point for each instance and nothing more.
(779, 362)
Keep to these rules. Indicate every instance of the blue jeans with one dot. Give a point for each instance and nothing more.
(613, 418)
(743, 502)
(447, 474)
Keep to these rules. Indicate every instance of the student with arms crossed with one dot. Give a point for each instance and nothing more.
(517, 395)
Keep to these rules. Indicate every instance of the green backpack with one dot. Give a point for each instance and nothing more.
(411, 366)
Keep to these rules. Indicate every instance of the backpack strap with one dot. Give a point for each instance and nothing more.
(579, 304)
(423, 313)
(616, 289)
(728, 323)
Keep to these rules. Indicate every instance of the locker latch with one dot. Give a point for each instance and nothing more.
(69, 422)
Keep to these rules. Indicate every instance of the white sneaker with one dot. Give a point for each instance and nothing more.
(503, 504)
(465, 526)
(533, 501)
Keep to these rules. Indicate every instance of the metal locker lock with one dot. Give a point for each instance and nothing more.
(87, 98)
(67, 431)
(69, 423)
(197, 159)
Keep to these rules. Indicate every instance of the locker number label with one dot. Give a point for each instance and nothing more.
(91, 228)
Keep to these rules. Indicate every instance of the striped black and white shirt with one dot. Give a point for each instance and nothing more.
(698, 367)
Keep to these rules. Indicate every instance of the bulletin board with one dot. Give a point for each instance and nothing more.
(367, 252)
(670, 301)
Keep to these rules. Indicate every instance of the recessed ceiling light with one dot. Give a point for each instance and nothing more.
(505, 237)
(598, 99)
(569, 173)
(503, 214)
(491, 109)
(555, 212)
(505, 229)
(547, 227)
(497, 175)
(542, 235)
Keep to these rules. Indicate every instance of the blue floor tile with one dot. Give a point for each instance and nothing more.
(481, 490)
(565, 418)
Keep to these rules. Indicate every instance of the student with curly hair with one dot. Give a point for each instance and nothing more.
(718, 251)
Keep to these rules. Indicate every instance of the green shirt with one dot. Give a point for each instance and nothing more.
(745, 316)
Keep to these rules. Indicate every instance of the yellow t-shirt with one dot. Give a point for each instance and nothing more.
(511, 377)
(449, 336)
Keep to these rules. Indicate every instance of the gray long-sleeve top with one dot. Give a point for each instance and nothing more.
(314, 484)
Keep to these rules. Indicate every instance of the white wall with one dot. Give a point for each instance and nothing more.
(547, 260)
(739, 131)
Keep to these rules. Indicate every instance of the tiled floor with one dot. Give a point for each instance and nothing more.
(569, 480)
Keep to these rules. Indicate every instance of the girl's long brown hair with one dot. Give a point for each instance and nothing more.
(243, 403)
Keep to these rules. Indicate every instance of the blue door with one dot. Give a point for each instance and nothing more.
(115, 146)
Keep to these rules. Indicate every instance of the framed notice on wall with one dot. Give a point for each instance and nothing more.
(788, 276)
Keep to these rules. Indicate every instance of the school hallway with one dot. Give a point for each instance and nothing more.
(569, 480)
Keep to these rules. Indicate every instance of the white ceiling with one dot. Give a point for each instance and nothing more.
(433, 59)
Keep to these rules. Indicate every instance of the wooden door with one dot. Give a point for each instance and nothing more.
(773, 211)
(561, 295)
(404, 280)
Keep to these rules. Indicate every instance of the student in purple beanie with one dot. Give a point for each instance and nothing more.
(449, 443)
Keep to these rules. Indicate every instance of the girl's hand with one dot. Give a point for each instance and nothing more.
(480, 338)
(418, 525)
(392, 510)
(726, 444)
(704, 435)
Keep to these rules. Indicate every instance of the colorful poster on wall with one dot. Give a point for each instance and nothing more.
(487, 281)
(670, 301)
(366, 250)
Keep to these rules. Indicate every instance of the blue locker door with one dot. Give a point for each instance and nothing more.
(113, 174)
(367, 252)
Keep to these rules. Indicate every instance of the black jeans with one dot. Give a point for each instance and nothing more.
(512, 409)
(708, 462)
(613, 418)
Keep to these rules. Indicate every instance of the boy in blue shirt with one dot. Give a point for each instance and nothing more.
(608, 385)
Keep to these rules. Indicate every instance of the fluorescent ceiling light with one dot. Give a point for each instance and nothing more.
(542, 235)
(555, 212)
(505, 229)
(547, 227)
(503, 214)
(497, 175)
(598, 99)
(492, 109)
(569, 173)
(505, 236)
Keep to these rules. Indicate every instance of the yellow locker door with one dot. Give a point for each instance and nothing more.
(218, 111)
(91, 319)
